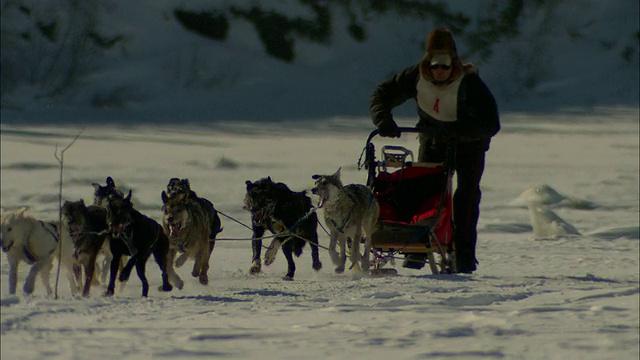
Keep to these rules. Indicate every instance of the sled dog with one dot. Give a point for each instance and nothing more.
(101, 198)
(350, 212)
(146, 237)
(88, 230)
(286, 214)
(35, 242)
(191, 224)
(101, 193)
(181, 189)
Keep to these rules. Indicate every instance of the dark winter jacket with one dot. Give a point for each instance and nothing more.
(477, 112)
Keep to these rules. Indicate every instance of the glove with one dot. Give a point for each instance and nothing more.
(389, 128)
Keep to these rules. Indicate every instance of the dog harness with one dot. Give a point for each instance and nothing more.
(127, 239)
(54, 234)
(31, 259)
(346, 221)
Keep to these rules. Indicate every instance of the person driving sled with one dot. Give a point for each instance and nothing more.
(456, 108)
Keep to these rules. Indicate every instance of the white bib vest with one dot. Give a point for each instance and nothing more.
(439, 103)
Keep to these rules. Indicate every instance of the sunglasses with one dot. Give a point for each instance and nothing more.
(443, 67)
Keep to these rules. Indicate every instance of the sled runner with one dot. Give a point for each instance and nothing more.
(416, 208)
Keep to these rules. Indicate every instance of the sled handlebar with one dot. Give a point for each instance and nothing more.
(401, 129)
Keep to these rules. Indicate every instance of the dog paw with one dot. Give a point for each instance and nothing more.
(287, 278)
(203, 279)
(366, 266)
(108, 293)
(317, 265)
(339, 269)
(28, 288)
(176, 281)
(269, 257)
(335, 258)
(255, 269)
(165, 287)
(181, 260)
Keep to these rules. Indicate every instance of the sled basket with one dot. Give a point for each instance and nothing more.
(416, 206)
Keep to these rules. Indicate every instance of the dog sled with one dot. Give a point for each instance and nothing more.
(416, 208)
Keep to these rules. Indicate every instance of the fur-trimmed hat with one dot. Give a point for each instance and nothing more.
(440, 42)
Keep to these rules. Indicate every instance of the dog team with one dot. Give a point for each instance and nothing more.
(126, 238)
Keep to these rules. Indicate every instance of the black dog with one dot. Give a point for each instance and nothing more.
(146, 236)
(101, 193)
(286, 214)
(88, 230)
(101, 196)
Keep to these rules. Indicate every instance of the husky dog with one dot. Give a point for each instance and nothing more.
(35, 242)
(88, 230)
(191, 223)
(349, 211)
(102, 193)
(146, 236)
(101, 197)
(287, 215)
(178, 188)
(181, 189)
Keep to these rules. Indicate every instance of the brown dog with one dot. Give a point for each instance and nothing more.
(191, 223)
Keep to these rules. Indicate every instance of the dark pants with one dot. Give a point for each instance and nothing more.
(468, 162)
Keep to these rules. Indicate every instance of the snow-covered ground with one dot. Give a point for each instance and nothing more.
(537, 294)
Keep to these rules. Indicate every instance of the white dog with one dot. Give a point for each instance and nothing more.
(350, 212)
(35, 242)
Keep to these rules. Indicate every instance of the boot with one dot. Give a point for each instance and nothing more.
(465, 264)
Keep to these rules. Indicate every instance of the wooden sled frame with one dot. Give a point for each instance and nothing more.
(392, 238)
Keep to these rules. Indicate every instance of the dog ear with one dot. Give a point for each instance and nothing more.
(249, 184)
(186, 183)
(172, 181)
(338, 172)
(21, 212)
(164, 197)
(128, 198)
(110, 182)
(95, 186)
(316, 177)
